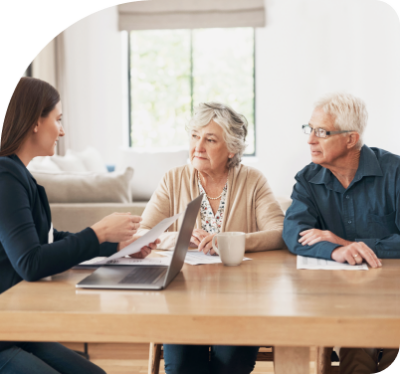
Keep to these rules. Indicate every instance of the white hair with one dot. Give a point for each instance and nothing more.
(349, 112)
(232, 123)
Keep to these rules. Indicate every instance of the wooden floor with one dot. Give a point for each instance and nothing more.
(133, 358)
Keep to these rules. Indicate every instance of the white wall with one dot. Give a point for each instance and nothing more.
(44, 64)
(308, 48)
(312, 47)
(96, 83)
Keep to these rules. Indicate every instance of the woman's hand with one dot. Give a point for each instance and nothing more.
(314, 236)
(206, 245)
(144, 251)
(197, 236)
(117, 227)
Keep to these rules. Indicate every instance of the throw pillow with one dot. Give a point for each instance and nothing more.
(149, 168)
(91, 159)
(69, 163)
(86, 187)
(43, 164)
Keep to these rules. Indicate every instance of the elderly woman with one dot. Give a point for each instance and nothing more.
(236, 198)
(345, 203)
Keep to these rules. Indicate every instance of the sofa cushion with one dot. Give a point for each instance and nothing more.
(91, 159)
(86, 187)
(69, 162)
(43, 163)
(149, 168)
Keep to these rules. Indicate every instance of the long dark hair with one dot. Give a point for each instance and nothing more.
(32, 99)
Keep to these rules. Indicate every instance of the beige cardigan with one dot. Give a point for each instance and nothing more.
(250, 207)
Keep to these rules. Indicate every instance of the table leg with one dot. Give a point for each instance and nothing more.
(324, 365)
(292, 360)
(154, 358)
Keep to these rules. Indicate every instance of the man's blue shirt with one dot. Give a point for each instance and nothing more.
(367, 211)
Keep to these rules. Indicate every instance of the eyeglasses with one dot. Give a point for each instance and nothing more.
(321, 133)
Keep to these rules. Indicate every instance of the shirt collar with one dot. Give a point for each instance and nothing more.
(368, 166)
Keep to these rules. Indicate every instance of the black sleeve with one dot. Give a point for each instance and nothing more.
(106, 249)
(30, 259)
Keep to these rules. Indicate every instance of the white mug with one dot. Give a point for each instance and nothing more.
(231, 247)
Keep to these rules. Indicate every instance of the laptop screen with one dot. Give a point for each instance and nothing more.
(183, 241)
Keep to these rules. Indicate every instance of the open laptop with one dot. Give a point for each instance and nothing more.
(147, 277)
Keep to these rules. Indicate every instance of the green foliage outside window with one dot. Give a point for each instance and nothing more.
(172, 71)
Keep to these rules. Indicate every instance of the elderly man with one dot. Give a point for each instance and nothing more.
(345, 203)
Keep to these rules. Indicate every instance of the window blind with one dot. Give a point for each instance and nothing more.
(190, 14)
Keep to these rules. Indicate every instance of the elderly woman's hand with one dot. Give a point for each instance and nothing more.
(144, 251)
(314, 236)
(197, 236)
(206, 245)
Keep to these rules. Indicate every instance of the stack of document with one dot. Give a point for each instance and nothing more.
(192, 258)
(121, 257)
(198, 258)
(147, 238)
(311, 263)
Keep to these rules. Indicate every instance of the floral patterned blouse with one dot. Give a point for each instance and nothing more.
(210, 223)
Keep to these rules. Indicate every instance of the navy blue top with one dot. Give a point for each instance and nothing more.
(25, 221)
(367, 210)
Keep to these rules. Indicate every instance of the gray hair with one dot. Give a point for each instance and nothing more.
(349, 112)
(232, 123)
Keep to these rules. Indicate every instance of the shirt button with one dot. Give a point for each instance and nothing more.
(349, 222)
(347, 197)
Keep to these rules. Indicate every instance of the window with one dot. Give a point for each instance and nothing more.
(172, 71)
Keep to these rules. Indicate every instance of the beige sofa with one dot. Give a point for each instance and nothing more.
(76, 217)
(81, 191)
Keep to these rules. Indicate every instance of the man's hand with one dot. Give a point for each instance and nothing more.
(197, 236)
(313, 236)
(354, 254)
(144, 251)
(206, 244)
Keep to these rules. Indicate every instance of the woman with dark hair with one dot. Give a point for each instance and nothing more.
(30, 248)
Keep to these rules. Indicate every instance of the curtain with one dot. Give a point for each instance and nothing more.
(49, 66)
(191, 14)
(43, 66)
(61, 85)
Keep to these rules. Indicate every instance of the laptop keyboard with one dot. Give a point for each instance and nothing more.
(142, 276)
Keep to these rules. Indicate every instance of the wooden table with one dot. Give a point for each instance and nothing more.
(262, 302)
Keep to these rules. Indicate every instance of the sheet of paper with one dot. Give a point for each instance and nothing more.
(311, 263)
(127, 261)
(146, 239)
(198, 258)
